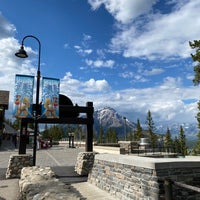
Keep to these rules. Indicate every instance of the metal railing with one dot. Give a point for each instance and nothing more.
(148, 150)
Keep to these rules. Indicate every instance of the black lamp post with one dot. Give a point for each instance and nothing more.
(125, 128)
(22, 54)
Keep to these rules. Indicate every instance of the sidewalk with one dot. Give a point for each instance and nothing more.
(62, 160)
(9, 189)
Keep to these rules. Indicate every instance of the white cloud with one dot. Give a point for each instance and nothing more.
(154, 71)
(87, 37)
(6, 29)
(154, 35)
(77, 88)
(100, 63)
(124, 11)
(166, 101)
(98, 85)
(10, 64)
(81, 51)
(141, 74)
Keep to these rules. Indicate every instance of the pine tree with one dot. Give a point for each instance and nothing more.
(196, 58)
(45, 134)
(197, 146)
(111, 135)
(151, 127)
(101, 134)
(168, 142)
(138, 132)
(182, 141)
(177, 146)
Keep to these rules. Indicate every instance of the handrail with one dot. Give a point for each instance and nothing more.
(168, 188)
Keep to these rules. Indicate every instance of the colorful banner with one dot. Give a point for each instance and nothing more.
(23, 96)
(50, 97)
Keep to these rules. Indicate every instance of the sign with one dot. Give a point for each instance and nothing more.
(23, 96)
(50, 97)
(4, 98)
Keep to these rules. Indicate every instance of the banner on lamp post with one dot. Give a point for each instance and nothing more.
(23, 96)
(50, 97)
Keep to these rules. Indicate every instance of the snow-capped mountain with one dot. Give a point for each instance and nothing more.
(190, 129)
(109, 118)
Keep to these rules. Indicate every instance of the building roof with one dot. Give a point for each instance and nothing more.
(9, 129)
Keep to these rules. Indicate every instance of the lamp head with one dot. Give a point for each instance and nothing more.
(21, 53)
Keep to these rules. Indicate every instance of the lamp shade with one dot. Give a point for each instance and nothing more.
(21, 53)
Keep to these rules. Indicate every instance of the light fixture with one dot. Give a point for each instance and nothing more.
(21, 53)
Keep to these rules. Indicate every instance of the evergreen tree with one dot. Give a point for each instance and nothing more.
(138, 132)
(131, 136)
(177, 146)
(151, 127)
(101, 134)
(196, 58)
(197, 146)
(182, 140)
(168, 142)
(45, 134)
(56, 132)
(111, 135)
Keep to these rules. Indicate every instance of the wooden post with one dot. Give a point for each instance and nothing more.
(168, 189)
(89, 136)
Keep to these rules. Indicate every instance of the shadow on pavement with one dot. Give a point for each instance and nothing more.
(67, 175)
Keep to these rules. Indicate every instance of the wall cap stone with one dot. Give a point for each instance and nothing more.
(151, 163)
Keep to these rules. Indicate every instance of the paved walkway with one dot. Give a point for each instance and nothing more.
(62, 160)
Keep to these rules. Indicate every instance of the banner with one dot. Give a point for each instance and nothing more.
(23, 96)
(50, 97)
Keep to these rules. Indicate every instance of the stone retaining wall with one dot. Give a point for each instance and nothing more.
(141, 178)
(16, 163)
(84, 162)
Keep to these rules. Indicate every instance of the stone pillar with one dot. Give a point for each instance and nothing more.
(16, 163)
(84, 162)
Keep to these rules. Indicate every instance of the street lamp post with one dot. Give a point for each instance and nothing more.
(22, 54)
(125, 128)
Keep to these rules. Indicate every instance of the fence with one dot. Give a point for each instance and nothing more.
(157, 151)
(168, 187)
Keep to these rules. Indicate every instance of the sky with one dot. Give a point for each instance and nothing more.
(131, 55)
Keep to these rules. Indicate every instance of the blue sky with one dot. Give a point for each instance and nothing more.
(131, 55)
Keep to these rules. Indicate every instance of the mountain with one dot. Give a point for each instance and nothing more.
(190, 129)
(109, 118)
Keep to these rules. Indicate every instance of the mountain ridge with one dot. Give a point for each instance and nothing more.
(108, 117)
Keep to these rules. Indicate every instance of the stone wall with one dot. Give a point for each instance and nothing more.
(16, 163)
(84, 162)
(142, 178)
